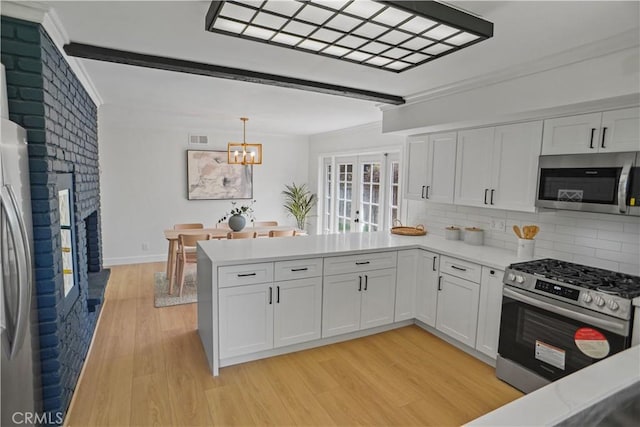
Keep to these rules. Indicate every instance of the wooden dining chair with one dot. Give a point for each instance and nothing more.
(265, 223)
(282, 233)
(187, 226)
(242, 235)
(187, 254)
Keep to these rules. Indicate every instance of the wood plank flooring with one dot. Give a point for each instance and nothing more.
(147, 367)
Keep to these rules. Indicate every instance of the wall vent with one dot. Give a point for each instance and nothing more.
(198, 139)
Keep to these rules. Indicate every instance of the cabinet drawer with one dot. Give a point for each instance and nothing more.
(358, 263)
(248, 274)
(298, 269)
(459, 268)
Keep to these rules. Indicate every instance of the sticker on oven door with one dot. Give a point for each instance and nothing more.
(592, 343)
(550, 354)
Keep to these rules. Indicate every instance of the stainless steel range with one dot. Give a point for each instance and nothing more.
(558, 317)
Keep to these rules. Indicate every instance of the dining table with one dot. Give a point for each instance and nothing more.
(216, 233)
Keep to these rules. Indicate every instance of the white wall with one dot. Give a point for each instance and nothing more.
(143, 179)
(361, 139)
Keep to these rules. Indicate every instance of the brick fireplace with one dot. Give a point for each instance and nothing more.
(47, 99)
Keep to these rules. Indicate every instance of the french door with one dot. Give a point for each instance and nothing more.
(361, 193)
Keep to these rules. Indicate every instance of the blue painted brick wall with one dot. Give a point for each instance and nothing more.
(47, 99)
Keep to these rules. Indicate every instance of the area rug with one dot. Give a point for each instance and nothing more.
(189, 292)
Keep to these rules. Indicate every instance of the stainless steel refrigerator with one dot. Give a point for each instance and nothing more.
(20, 398)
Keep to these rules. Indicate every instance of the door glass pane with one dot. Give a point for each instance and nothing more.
(394, 189)
(345, 197)
(370, 197)
(328, 184)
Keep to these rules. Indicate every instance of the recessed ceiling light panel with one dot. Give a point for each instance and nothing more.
(388, 35)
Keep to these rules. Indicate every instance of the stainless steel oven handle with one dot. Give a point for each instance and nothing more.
(619, 327)
(623, 185)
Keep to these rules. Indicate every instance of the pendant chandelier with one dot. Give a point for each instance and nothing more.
(243, 153)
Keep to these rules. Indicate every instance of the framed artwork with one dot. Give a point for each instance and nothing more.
(210, 177)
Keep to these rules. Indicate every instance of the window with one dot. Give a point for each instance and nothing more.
(394, 192)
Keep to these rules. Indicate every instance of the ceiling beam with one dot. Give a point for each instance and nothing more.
(182, 66)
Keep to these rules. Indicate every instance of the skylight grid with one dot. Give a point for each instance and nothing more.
(386, 35)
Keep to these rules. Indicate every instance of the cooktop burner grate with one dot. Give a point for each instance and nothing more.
(610, 282)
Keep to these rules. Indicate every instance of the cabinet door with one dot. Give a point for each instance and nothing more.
(378, 298)
(572, 135)
(473, 166)
(458, 309)
(416, 160)
(341, 303)
(515, 166)
(297, 311)
(621, 130)
(246, 319)
(427, 287)
(489, 311)
(441, 167)
(406, 284)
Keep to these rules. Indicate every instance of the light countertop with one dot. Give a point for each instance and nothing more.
(233, 252)
(571, 395)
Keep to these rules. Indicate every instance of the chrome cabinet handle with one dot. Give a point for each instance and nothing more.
(593, 131)
(604, 131)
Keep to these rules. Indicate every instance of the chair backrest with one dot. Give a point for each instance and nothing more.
(224, 225)
(265, 223)
(190, 240)
(282, 233)
(187, 226)
(242, 235)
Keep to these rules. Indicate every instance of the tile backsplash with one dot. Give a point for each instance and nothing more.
(599, 240)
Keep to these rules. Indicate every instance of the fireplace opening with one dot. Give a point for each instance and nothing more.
(98, 276)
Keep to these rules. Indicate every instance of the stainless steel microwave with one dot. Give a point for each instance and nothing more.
(605, 183)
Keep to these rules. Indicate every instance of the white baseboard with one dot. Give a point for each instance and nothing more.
(108, 262)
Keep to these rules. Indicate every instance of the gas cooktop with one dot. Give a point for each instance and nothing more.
(596, 279)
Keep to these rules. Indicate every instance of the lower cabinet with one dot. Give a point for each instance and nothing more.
(457, 314)
(406, 279)
(489, 311)
(427, 287)
(260, 317)
(354, 301)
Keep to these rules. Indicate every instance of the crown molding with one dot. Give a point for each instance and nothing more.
(47, 17)
(626, 40)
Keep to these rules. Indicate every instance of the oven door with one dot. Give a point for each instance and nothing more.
(552, 338)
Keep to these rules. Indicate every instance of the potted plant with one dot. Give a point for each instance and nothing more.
(298, 202)
(236, 216)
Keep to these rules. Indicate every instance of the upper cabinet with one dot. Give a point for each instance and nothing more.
(611, 131)
(431, 163)
(497, 166)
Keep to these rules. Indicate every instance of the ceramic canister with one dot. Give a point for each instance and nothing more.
(474, 236)
(452, 233)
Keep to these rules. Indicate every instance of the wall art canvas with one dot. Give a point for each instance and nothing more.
(210, 177)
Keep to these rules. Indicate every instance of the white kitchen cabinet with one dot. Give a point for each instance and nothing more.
(260, 317)
(431, 167)
(297, 311)
(427, 287)
(416, 176)
(246, 319)
(355, 301)
(607, 132)
(473, 166)
(457, 314)
(489, 309)
(497, 167)
(406, 278)
(621, 130)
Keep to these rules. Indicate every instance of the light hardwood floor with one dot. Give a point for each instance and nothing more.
(147, 367)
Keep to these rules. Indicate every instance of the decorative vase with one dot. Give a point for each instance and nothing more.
(237, 222)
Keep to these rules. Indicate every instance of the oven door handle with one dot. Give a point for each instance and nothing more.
(619, 327)
(623, 187)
